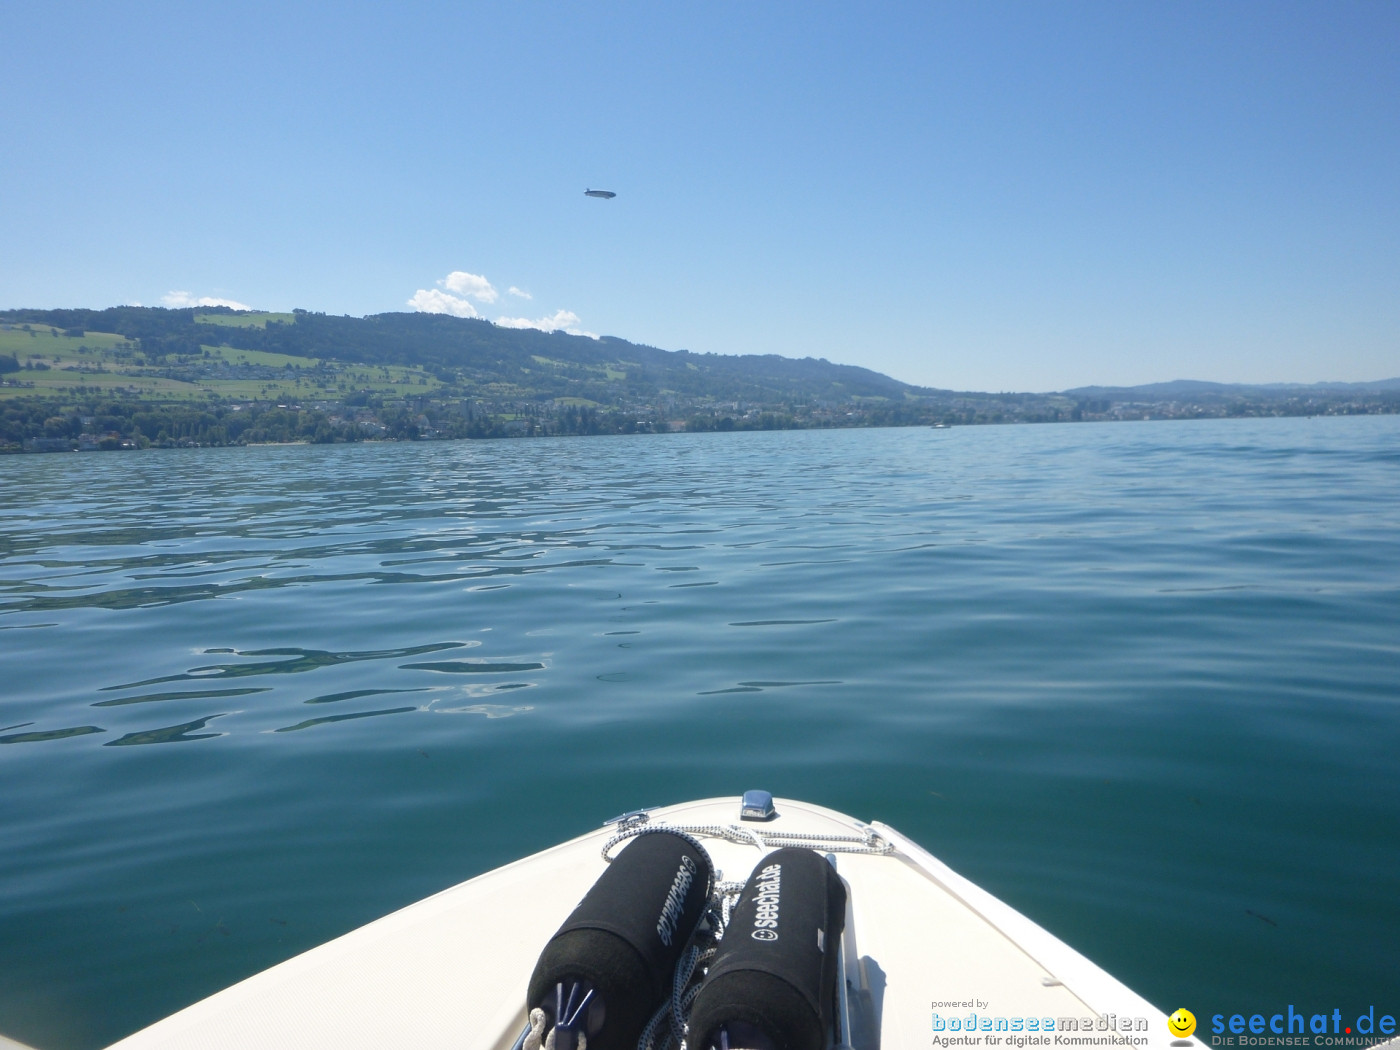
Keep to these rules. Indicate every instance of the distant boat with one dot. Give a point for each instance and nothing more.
(605, 194)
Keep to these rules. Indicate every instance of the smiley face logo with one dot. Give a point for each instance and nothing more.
(1182, 1023)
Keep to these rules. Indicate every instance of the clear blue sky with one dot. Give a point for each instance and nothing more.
(991, 196)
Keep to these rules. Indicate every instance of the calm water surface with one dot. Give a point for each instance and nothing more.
(1140, 680)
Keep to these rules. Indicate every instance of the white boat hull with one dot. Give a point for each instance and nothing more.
(451, 970)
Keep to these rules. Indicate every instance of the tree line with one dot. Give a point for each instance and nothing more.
(473, 353)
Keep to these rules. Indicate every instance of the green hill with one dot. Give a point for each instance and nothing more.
(132, 377)
(135, 376)
(474, 356)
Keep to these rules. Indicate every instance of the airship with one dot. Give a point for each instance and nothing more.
(605, 194)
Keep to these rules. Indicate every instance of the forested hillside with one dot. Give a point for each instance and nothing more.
(135, 377)
(479, 353)
(131, 377)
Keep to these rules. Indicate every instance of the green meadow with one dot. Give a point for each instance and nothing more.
(53, 364)
(255, 319)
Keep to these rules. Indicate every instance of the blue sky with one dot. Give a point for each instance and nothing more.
(990, 196)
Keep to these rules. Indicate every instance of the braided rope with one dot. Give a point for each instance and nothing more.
(667, 1028)
(870, 842)
(672, 1015)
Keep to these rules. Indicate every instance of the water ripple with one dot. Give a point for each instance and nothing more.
(1139, 679)
(50, 734)
(297, 662)
(327, 719)
(189, 694)
(181, 733)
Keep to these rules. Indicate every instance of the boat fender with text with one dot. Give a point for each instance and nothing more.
(773, 979)
(609, 967)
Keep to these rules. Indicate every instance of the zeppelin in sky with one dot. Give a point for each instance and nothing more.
(605, 194)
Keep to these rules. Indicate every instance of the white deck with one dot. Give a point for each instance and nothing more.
(450, 971)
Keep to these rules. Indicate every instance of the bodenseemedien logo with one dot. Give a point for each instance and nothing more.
(975, 1022)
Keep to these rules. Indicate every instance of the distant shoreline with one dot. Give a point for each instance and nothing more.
(141, 377)
(41, 446)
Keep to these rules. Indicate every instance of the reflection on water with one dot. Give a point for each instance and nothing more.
(1139, 679)
(189, 694)
(299, 660)
(49, 734)
(327, 719)
(355, 694)
(471, 667)
(489, 710)
(168, 734)
(758, 687)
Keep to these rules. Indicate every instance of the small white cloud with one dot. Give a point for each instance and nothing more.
(461, 287)
(177, 300)
(469, 284)
(559, 321)
(432, 301)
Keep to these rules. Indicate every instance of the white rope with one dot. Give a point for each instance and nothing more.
(869, 842)
(667, 1028)
(534, 1039)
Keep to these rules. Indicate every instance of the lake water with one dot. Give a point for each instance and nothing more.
(1141, 680)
